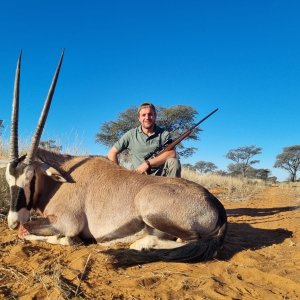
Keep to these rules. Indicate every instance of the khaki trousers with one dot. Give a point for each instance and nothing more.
(171, 168)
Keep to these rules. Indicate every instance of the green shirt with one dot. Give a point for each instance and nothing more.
(139, 144)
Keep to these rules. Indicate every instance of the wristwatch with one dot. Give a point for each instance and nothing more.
(148, 163)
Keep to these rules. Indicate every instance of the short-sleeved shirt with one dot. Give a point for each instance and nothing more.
(139, 144)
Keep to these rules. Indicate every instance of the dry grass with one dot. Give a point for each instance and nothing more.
(227, 187)
(73, 145)
(4, 148)
(292, 189)
(4, 193)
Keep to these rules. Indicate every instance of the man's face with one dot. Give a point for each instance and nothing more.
(147, 117)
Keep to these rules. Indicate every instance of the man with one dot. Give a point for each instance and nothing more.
(144, 139)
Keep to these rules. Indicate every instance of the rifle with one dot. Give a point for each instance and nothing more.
(170, 144)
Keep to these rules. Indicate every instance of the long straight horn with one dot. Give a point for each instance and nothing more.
(39, 129)
(13, 143)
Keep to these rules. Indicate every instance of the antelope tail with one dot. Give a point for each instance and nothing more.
(199, 250)
(195, 251)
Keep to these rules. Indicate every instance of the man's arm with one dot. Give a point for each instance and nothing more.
(113, 154)
(155, 161)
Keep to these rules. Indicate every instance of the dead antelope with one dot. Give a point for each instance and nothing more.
(93, 198)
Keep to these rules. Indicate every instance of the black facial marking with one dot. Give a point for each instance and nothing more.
(18, 199)
(32, 190)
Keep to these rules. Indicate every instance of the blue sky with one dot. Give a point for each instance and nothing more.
(242, 57)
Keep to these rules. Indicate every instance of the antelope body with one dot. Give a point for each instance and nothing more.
(93, 198)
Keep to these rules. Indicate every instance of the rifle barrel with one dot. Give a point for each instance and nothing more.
(205, 118)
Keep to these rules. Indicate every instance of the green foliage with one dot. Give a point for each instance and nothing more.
(262, 174)
(242, 157)
(112, 131)
(289, 160)
(50, 145)
(189, 167)
(176, 119)
(205, 166)
(258, 173)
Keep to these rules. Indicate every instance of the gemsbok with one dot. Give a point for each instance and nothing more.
(93, 198)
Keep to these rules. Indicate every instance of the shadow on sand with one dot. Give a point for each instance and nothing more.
(240, 237)
(259, 212)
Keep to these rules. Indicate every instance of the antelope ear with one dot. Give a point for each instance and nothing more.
(52, 172)
(3, 163)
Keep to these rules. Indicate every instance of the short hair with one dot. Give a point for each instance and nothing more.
(146, 104)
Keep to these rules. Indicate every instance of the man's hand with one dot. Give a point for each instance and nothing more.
(142, 168)
(113, 155)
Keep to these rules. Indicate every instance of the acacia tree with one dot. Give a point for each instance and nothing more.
(205, 166)
(189, 167)
(242, 156)
(176, 119)
(50, 145)
(289, 160)
(263, 174)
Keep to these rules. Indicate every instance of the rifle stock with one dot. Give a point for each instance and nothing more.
(176, 142)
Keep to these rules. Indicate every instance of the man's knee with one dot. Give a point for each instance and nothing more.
(173, 167)
(173, 162)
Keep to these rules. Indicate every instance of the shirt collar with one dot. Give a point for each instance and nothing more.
(156, 130)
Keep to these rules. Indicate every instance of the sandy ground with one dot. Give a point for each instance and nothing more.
(261, 260)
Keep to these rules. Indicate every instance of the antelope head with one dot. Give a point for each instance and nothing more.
(20, 171)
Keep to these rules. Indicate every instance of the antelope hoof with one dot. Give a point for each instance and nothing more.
(144, 244)
(22, 232)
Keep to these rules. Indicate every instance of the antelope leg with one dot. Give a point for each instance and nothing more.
(41, 229)
(38, 226)
(153, 242)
